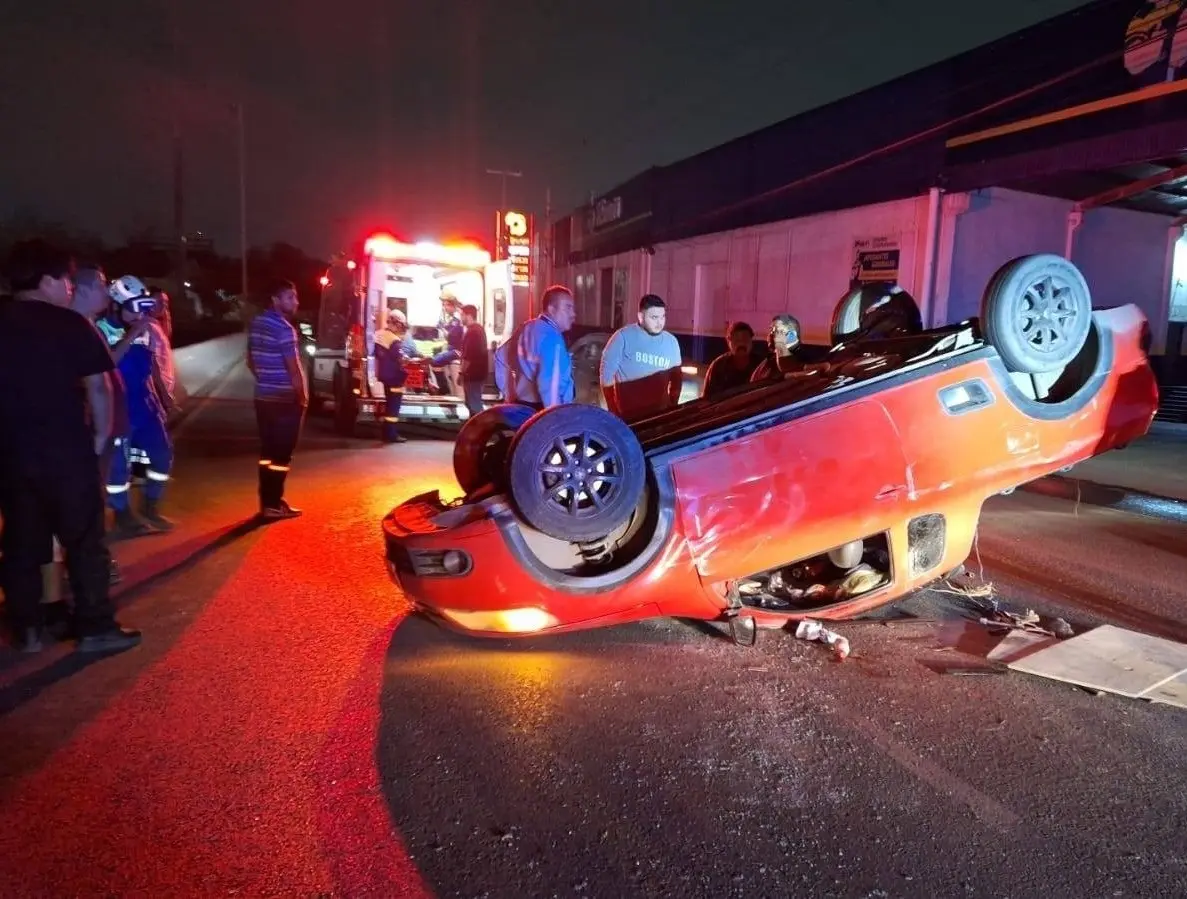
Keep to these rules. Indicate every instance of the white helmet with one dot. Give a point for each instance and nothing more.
(125, 289)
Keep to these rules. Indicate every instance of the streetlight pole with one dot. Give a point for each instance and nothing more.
(504, 174)
(242, 200)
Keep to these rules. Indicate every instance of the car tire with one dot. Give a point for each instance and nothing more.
(537, 471)
(1037, 312)
(846, 317)
(480, 453)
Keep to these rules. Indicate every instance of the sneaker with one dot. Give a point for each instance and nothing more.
(29, 640)
(279, 512)
(115, 640)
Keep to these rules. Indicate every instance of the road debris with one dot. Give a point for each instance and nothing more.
(996, 616)
(811, 630)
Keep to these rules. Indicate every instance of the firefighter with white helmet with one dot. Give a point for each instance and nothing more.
(132, 307)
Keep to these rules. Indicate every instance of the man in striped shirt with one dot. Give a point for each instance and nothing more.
(281, 396)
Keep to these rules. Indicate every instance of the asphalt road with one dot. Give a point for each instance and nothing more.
(286, 730)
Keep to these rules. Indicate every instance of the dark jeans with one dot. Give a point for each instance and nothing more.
(472, 390)
(66, 501)
(279, 424)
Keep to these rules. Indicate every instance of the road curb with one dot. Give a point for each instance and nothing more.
(1123, 499)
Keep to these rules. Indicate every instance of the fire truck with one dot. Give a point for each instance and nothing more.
(415, 278)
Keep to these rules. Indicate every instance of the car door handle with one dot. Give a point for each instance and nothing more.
(890, 492)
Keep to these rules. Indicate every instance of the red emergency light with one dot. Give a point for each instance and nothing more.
(384, 246)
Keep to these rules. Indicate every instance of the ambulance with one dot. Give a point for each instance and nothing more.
(416, 278)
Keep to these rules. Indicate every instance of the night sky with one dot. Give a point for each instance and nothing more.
(360, 112)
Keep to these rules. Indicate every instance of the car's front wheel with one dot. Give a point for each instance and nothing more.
(576, 472)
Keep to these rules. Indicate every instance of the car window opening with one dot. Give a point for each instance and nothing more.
(843, 572)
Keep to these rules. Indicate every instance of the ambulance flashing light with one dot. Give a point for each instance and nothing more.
(384, 246)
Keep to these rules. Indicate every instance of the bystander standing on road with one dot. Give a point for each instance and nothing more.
(160, 336)
(55, 420)
(534, 367)
(475, 360)
(641, 365)
(281, 396)
(783, 350)
(733, 368)
(92, 301)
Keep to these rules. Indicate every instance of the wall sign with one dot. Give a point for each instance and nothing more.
(875, 259)
(1157, 37)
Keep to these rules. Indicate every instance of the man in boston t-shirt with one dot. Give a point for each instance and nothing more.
(641, 373)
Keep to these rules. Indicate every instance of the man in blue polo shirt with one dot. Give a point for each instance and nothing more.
(281, 396)
(534, 367)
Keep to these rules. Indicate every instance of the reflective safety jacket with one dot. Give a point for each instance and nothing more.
(390, 352)
(136, 369)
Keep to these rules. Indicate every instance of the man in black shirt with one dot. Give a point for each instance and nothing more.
(475, 361)
(734, 367)
(54, 367)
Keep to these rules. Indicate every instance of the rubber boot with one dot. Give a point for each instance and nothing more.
(153, 516)
(128, 525)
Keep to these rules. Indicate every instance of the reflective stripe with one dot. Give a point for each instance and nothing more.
(278, 467)
(391, 419)
(157, 476)
(118, 488)
(265, 461)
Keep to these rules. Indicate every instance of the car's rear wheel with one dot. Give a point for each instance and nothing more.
(846, 317)
(576, 472)
(480, 453)
(1037, 312)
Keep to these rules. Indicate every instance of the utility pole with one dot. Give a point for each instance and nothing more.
(179, 209)
(546, 241)
(242, 201)
(385, 77)
(178, 168)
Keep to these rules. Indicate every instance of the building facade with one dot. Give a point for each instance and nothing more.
(1069, 138)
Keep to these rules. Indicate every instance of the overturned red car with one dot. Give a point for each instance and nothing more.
(825, 494)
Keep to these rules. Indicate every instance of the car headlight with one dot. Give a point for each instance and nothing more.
(440, 563)
(455, 562)
(506, 621)
(310, 349)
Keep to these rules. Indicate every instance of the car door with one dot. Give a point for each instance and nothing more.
(792, 491)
